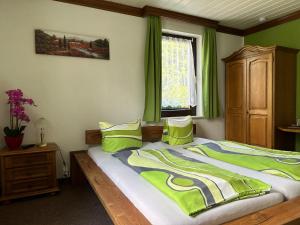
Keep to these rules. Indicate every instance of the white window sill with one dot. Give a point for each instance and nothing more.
(162, 118)
(193, 117)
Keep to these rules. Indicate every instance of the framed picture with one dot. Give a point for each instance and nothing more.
(65, 44)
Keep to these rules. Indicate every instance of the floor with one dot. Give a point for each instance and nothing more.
(74, 205)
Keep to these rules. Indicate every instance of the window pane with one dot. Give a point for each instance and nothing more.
(178, 73)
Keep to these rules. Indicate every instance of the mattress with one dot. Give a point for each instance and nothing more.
(159, 209)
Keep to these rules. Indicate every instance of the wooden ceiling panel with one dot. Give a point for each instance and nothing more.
(232, 13)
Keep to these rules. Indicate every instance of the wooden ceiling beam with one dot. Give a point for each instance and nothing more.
(107, 5)
(230, 30)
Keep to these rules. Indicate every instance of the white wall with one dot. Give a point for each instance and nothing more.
(73, 94)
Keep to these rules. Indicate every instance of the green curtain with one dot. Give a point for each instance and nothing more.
(210, 96)
(153, 70)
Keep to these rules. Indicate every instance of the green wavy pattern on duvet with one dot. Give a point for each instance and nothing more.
(193, 185)
(276, 162)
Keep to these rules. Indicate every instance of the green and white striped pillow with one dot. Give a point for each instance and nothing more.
(178, 131)
(118, 137)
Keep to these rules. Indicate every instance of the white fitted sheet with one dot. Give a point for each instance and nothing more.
(289, 188)
(159, 209)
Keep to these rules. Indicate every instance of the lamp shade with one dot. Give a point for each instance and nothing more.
(41, 123)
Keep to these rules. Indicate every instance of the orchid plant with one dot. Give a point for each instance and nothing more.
(18, 116)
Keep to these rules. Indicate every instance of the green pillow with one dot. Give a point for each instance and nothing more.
(123, 136)
(178, 131)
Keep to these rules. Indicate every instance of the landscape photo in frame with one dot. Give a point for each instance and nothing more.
(66, 44)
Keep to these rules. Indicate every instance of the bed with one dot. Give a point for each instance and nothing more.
(124, 207)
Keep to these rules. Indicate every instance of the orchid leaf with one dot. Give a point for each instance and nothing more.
(13, 132)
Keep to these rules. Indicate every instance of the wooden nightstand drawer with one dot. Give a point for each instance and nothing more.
(27, 160)
(28, 172)
(44, 170)
(13, 187)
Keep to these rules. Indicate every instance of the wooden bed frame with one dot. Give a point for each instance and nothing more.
(123, 212)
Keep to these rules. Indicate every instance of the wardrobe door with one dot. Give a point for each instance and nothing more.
(235, 101)
(259, 100)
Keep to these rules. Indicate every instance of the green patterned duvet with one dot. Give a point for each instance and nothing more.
(192, 184)
(280, 163)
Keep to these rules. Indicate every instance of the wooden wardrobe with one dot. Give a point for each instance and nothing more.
(261, 95)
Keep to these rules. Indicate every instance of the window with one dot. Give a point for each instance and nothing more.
(179, 64)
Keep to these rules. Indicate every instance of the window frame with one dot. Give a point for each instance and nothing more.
(192, 111)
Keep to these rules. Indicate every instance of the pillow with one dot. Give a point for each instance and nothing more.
(123, 136)
(178, 131)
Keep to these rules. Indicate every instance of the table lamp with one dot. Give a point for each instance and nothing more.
(41, 127)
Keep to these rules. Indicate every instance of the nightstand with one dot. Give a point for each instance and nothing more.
(28, 172)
